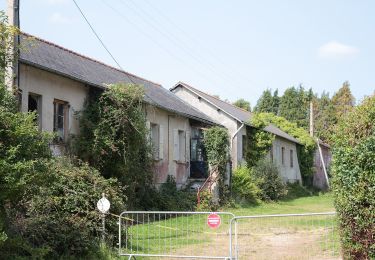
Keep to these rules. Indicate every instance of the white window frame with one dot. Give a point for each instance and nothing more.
(180, 145)
(157, 140)
(65, 117)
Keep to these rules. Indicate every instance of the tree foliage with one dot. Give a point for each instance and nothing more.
(294, 106)
(324, 117)
(242, 103)
(343, 101)
(268, 103)
(354, 180)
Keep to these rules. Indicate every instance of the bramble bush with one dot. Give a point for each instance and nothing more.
(353, 184)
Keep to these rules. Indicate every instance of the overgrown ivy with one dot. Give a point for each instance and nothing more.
(305, 151)
(258, 142)
(216, 142)
(114, 139)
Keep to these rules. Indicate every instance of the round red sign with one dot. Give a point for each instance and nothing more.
(213, 220)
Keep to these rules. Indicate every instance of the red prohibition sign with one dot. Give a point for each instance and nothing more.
(213, 220)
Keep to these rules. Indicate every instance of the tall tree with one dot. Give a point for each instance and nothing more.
(242, 103)
(324, 117)
(268, 103)
(275, 102)
(343, 101)
(294, 106)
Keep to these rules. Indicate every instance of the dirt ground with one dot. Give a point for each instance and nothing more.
(278, 244)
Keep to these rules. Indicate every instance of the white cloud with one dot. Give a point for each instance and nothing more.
(58, 18)
(337, 50)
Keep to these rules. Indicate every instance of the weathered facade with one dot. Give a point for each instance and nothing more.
(284, 148)
(54, 82)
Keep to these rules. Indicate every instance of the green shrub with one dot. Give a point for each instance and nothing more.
(296, 190)
(172, 199)
(269, 181)
(245, 185)
(353, 170)
(57, 214)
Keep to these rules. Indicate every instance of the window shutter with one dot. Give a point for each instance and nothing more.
(187, 146)
(176, 147)
(161, 142)
(148, 127)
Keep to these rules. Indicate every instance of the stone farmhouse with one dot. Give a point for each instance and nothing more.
(54, 82)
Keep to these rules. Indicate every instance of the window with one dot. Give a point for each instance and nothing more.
(282, 155)
(244, 146)
(60, 120)
(291, 158)
(198, 166)
(34, 105)
(179, 140)
(271, 153)
(157, 140)
(182, 143)
(197, 146)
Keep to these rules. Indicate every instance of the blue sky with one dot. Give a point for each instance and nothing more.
(234, 49)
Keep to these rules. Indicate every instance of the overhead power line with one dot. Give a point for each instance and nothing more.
(152, 22)
(147, 35)
(100, 40)
(200, 44)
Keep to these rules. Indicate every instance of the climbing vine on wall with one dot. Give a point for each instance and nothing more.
(114, 139)
(305, 151)
(258, 141)
(216, 141)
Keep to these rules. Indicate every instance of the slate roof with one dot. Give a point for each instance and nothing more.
(56, 59)
(237, 113)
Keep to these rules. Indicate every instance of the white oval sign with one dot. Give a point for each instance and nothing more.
(103, 205)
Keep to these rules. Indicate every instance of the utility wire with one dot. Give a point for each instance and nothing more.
(151, 21)
(102, 43)
(139, 29)
(100, 40)
(204, 48)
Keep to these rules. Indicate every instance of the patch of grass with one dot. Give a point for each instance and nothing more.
(311, 204)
